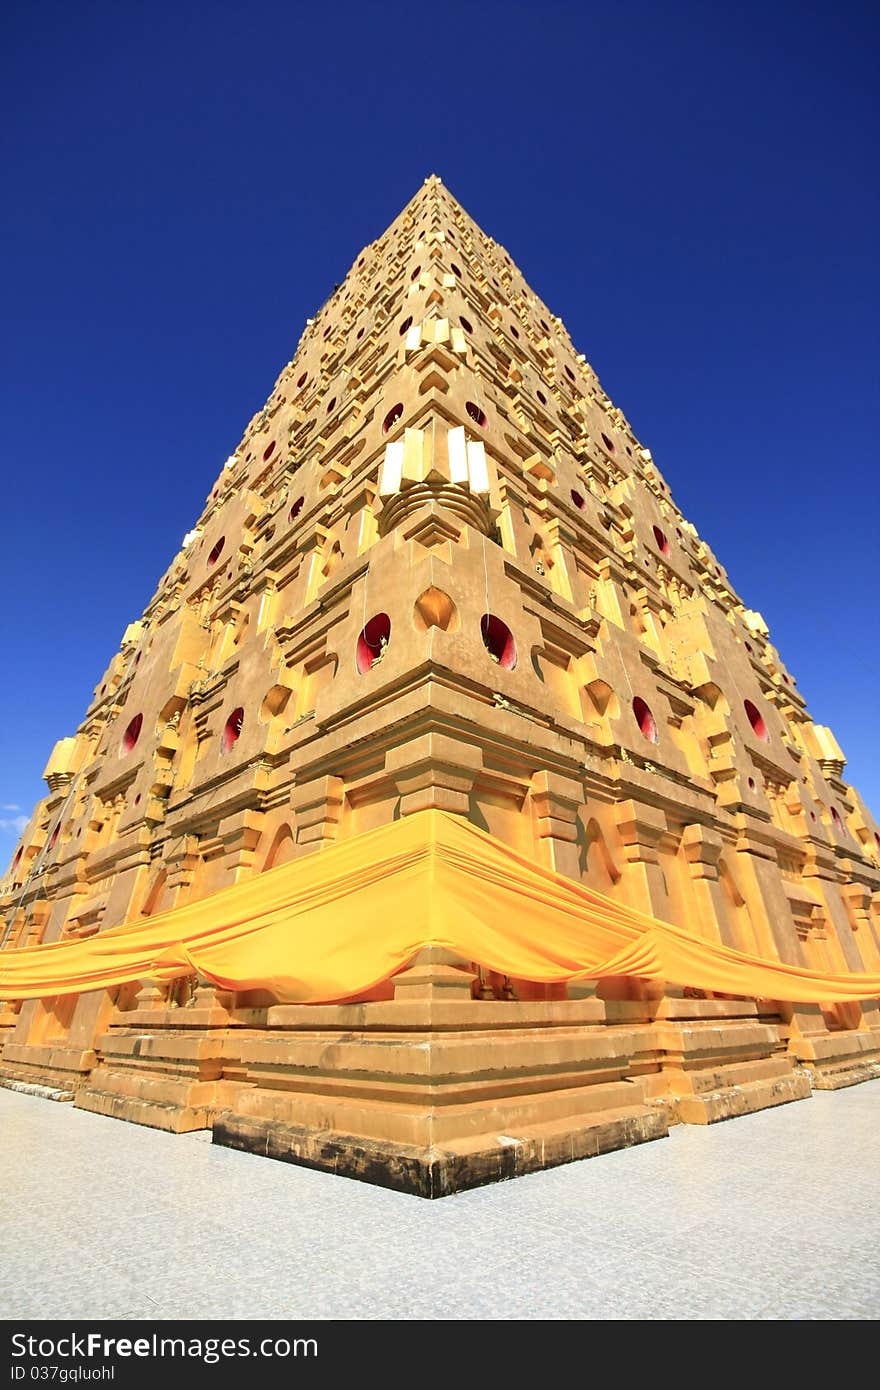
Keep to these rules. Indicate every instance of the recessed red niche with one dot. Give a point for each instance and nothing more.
(662, 542)
(756, 719)
(232, 729)
(645, 719)
(132, 733)
(498, 640)
(374, 638)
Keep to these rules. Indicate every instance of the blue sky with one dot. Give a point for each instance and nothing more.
(692, 187)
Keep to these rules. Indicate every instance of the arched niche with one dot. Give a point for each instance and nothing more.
(275, 702)
(282, 848)
(434, 608)
(602, 699)
(598, 865)
(714, 698)
(156, 894)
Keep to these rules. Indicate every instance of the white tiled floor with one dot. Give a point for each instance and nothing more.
(775, 1215)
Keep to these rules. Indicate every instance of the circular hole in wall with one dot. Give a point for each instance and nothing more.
(476, 413)
(405, 326)
(53, 839)
(466, 325)
(455, 270)
(498, 640)
(578, 499)
(876, 840)
(416, 273)
(645, 719)
(662, 542)
(296, 509)
(137, 800)
(232, 729)
(302, 381)
(374, 638)
(17, 860)
(392, 417)
(132, 733)
(609, 443)
(217, 551)
(330, 404)
(514, 331)
(756, 719)
(541, 397)
(836, 817)
(360, 332)
(269, 450)
(569, 373)
(751, 784)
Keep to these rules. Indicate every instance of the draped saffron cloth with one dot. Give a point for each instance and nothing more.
(331, 925)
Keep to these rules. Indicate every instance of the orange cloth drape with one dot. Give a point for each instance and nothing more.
(332, 924)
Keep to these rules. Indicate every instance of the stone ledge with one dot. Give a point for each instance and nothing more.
(440, 1172)
(32, 1088)
(830, 1078)
(41, 1080)
(175, 1119)
(711, 1107)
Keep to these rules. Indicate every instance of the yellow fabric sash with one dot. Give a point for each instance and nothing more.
(334, 923)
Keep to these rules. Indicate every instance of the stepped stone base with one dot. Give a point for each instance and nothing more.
(839, 1059)
(435, 1095)
(171, 1079)
(708, 1107)
(46, 1068)
(718, 1059)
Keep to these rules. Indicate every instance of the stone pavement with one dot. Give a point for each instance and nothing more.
(775, 1215)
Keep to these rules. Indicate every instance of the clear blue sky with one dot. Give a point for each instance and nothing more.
(693, 187)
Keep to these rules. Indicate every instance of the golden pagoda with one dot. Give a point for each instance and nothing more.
(441, 709)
